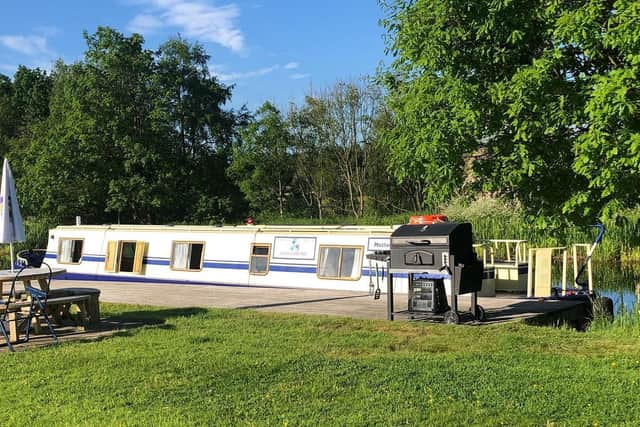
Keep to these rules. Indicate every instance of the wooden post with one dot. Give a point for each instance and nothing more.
(44, 284)
(564, 272)
(13, 327)
(590, 272)
(93, 308)
(530, 274)
(390, 313)
(574, 248)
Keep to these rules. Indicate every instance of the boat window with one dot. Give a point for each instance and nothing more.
(259, 262)
(337, 262)
(70, 251)
(125, 256)
(187, 256)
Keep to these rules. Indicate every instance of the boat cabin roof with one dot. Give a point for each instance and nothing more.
(315, 229)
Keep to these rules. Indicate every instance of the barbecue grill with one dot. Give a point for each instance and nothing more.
(434, 256)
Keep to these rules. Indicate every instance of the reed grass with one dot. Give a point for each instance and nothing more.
(493, 218)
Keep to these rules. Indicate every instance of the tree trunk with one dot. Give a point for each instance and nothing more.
(280, 198)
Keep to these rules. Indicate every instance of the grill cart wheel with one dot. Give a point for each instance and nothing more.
(451, 318)
(481, 314)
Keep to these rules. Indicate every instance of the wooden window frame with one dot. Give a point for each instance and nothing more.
(113, 257)
(138, 260)
(268, 256)
(341, 247)
(119, 255)
(60, 250)
(189, 242)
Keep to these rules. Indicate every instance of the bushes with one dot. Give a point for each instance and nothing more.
(494, 218)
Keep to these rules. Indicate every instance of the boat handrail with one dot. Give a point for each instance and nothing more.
(517, 256)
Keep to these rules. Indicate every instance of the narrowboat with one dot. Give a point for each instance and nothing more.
(321, 257)
(315, 257)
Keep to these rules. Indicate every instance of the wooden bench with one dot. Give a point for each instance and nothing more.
(87, 300)
(60, 308)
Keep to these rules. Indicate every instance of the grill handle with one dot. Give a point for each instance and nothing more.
(424, 242)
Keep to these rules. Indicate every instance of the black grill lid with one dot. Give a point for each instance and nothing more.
(437, 229)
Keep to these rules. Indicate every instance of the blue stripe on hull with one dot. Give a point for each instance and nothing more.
(292, 269)
(153, 281)
(136, 279)
(148, 261)
(226, 266)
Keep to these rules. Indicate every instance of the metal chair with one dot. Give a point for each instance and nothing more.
(34, 258)
(4, 322)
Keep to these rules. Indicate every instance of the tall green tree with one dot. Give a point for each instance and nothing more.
(24, 101)
(608, 146)
(352, 109)
(134, 136)
(263, 163)
(66, 170)
(200, 131)
(31, 93)
(120, 101)
(315, 176)
(515, 88)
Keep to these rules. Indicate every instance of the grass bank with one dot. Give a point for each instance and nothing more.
(222, 367)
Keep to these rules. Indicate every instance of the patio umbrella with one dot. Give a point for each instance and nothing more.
(11, 227)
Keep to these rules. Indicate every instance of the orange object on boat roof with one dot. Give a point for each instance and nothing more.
(427, 219)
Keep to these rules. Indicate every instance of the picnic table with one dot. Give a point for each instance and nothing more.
(41, 275)
(27, 275)
(58, 303)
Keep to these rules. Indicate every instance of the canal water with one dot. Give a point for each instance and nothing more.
(618, 281)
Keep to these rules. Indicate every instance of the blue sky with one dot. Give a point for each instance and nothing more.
(275, 50)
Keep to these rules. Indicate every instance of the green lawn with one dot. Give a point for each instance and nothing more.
(222, 367)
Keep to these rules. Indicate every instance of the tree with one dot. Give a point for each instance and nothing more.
(315, 176)
(608, 147)
(31, 93)
(119, 99)
(336, 139)
(352, 110)
(66, 165)
(517, 88)
(263, 164)
(198, 130)
(134, 136)
(24, 101)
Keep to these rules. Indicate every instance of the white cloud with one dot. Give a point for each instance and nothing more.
(299, 76)
(292, 65)
(231, 76)
(144, 24)
(194, 18)
(28, 45)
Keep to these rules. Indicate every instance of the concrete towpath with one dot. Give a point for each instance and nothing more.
(295, 300)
